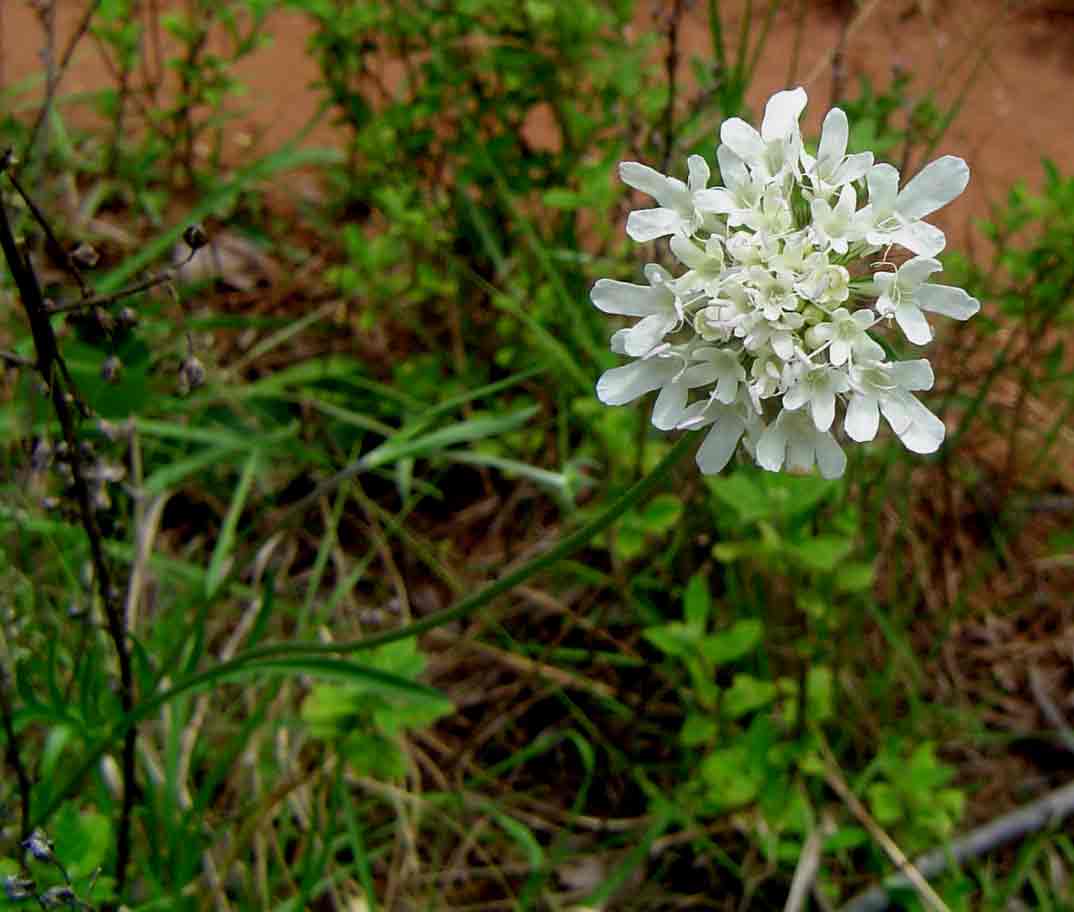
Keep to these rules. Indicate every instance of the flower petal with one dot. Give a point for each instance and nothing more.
(720, 443)
(647, 333)
(947, 300)
(920, 238)
(699, 172)
(834, 133)
(781, 114)
(934, 186)
(831, 460)
(925, 433)
(862, 419)
(649, 224)
(913, 375)
(627, 299)
(883, 183)
(823, 409)
(669, 407)
(913, 323)
(625, 384)
(687, 252)
(647, 180)
(742, 139)
(715, 199)
(772, 447)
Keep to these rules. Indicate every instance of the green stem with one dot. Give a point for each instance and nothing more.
(466, 607)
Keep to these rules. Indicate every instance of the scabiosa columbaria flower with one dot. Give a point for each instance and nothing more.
(766, 337)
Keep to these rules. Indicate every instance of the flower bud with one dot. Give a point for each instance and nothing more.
(84, 256)
(110, 369)
(38, 845)
(17, 888)
(192, 373)
(195, 237)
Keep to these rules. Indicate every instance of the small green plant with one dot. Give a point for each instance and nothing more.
(369, 726)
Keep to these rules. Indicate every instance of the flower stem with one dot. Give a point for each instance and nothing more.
(564, 548)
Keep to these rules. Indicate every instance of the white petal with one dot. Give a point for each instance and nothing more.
(624, 384)
(700, 374)
(854, 167)
(699, 172)
(862, 419)
(627, 299)
(669, 407)
(688, 253)
(801, 451)
(895, 413)
(795, 397)
(883, 182)
(783, 345)
(646, 334)
(649, 224)
(925, 432)
(647, 180)
(772, 447)
(936, 185)
(913, 323)
(781, 114)
(947, 300)
(831, 459)
(727, 388)
(720, 443)
(918, 237)
(823, 410)
(913, 375)
(839, 352)
(833, 137)
(715, 199)
(742, 139)
(913, 272)
(733, 171)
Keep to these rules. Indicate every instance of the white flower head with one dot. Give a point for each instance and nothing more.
(769, 331)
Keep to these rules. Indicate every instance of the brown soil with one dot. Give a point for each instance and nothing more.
(1013, 60)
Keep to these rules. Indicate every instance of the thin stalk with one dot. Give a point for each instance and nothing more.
(466, 607)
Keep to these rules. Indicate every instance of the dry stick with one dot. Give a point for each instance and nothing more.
(53, 371)
(911, 874)
(671, 68)
(13, 755)
(1050, 810)
(1050, 710)
(56, 76)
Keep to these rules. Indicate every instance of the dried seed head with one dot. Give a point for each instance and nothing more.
(127, 318)
(84, 256)
(17, 888)
(39, 845)
(110, 369)
(192, 373)
(54, 897)
(195, 237)
(41, 456)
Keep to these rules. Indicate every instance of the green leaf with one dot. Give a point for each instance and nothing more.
(699, 728)
(822, 552)
(884, 803)
(731, 778)
(731, 644)
(225, 543)
(661, 514)
(854, 576)
(82, 840)
(747, 694)
(674, 639)
(820, 685)
(697, 601)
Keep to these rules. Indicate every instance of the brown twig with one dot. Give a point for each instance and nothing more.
(56, 74)
(50, 365)
(671, 71)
